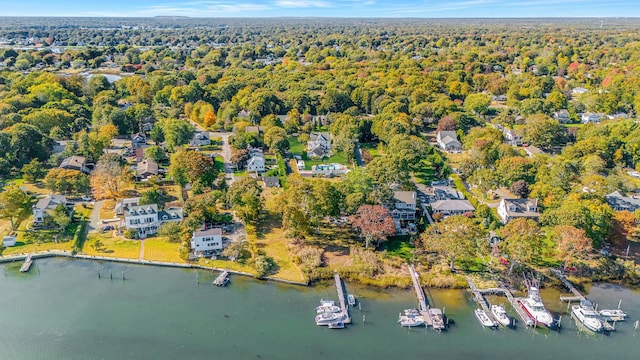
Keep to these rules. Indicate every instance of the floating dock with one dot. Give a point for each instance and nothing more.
(577, 296)
(26, 265)
(222, 279)
(479, 297)
(346, 318)
(504, 291)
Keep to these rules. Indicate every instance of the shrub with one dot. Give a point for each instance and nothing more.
(130, 234)
(263, 264)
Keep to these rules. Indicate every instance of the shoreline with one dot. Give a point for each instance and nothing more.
(67, 254)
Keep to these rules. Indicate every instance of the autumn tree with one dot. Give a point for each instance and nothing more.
(244, 198)
(191, 166)
(573, 243)
(14, 204)
(456, 236)
(276, 139)
(522, 241)
(109, 178)
(374, 223)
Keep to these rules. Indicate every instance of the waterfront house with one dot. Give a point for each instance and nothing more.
(448, 141)
(76, 163)
(143, 219)
(206, 240)
(47, 203)
(509, 209)
(404, 205)
(619, 202)
(124, 204)
(146, 168)
(319, 145)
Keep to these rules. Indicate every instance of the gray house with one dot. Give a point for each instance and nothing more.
(619, 202)
(448, 141)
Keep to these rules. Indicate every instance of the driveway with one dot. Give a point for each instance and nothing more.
(94, 218)
(226, 156)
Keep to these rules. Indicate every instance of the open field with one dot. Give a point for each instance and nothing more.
(112, 246)
(160, 249)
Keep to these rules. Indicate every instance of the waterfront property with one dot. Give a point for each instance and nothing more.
(206, 241)
(146, 219)
(48, 203)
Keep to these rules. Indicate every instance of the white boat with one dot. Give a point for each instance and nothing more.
(336, 325)
(613, 314)
(328, 318)
(587, 316)
(351, 300)
(500, 314)
(327, 306)
(26, 265)
(485, 320)
(535, 309)
(412, 312)
(437, 319)
(411, 321)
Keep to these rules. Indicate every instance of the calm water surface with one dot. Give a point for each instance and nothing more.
(65, 312)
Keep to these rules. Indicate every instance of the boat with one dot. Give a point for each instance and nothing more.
(328, 318)
(411, 321)
(437, 319)
(327, 306)
(535, 309)
(613, 314)
(587, 316)
(336, 325)
(26, 265)
(412, 312)
(351, 300)
(485, 320)
(500, 314)
(222, 279)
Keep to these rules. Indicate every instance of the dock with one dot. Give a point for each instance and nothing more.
(222, 279)
(504, 291)
(26, 265)
(422, 300)
(342, 298)
(577, 296)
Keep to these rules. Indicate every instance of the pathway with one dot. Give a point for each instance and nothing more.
(358, 154)
(94, 218)
(226, 156)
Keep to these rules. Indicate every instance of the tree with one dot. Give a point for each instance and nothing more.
(573, 243)
(172, 230)
(60, 216)
(477, 103)
(155, 195)
(191, 166)
(67, 181)
(446, 124)
(176, 132)
(33, 171)
(520, 189)
(543, 132)
(523, 241)
(456, 236)
(109, 178)
(374, 223)
(276, 139)
(244, 197)
(14, 204)
(155, 153)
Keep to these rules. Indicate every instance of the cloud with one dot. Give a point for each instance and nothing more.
(301, 3)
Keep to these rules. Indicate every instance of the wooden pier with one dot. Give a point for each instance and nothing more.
(422, 300)
(504, 291)
(342, 298)
(479, 297)
(577, 296)
(26, 265)
(222, 279)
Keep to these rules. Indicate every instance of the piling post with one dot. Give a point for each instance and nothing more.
(364, 318)
(98, 273)
(123, 276)
(111, 274)
(619, 303)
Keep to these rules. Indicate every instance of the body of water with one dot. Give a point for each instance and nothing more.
(61, 310)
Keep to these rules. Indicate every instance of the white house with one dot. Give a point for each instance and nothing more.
(138, 140)
(404, 205)
(45, 204)
(562, 116)
(532, 151)
(256, 161)
(300, 164)
(200, 138)
(125, 204)
(448, 141)
(512, 137)
(146, 219)
(207, 240)
(329, 169)
(509, 209)
(319, 145)
(579, 90)
(591, 117)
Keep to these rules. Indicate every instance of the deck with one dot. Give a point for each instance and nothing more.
(504, 291)
(342, 298)
(422, 300)
(577, 296)
(222, 279)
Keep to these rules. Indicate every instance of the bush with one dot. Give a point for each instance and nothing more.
(130, 234)
(263, 264)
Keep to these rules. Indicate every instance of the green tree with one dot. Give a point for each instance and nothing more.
(276, 139)
(543, 132)
(33, 171)
(14, 204)
(456, 236)
(477, 103)
(176, 132)
(522, 241)
(244, 198)
(155, 153)
(60, 216)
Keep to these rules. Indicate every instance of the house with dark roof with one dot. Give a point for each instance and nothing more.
(319, 145)
(271, 181)
(76, 163)
(509, 209)
(138, 140)
(146, 219)
(619, 202)
(404, 205)
(448, 141)
(146, 168)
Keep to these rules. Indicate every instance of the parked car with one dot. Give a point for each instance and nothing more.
(108, 228)
(86, 198)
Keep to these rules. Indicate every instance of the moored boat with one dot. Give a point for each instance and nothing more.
(327, 306)
(437, 319)
(351, 300)
(484, 319)
(336, 325)
(587, 316)
(535, 309)
(328, 318)
(500, 314)
(613, 314)
(411, 321)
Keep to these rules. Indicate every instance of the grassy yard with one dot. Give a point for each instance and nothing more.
(107, 211)
(373, 148)
(219, 163)
(339, 158)
(112, 246)
(425, 174)
(272, 241)
(40, 240)
(160, 249)
(296, 147)
(226, 264)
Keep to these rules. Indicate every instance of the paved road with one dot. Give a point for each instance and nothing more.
(226, 156)
(94, 218)
(358, 154)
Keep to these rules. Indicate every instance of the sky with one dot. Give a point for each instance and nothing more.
(325, 8)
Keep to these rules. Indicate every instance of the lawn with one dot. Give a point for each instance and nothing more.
(425, 174)
(339, 158)
(40, 240)
(296, 147)
(160, 249)
(272, 241)
(112, 246)
(373, 148)
(219, 163)
(107, 211)
(226, 264)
